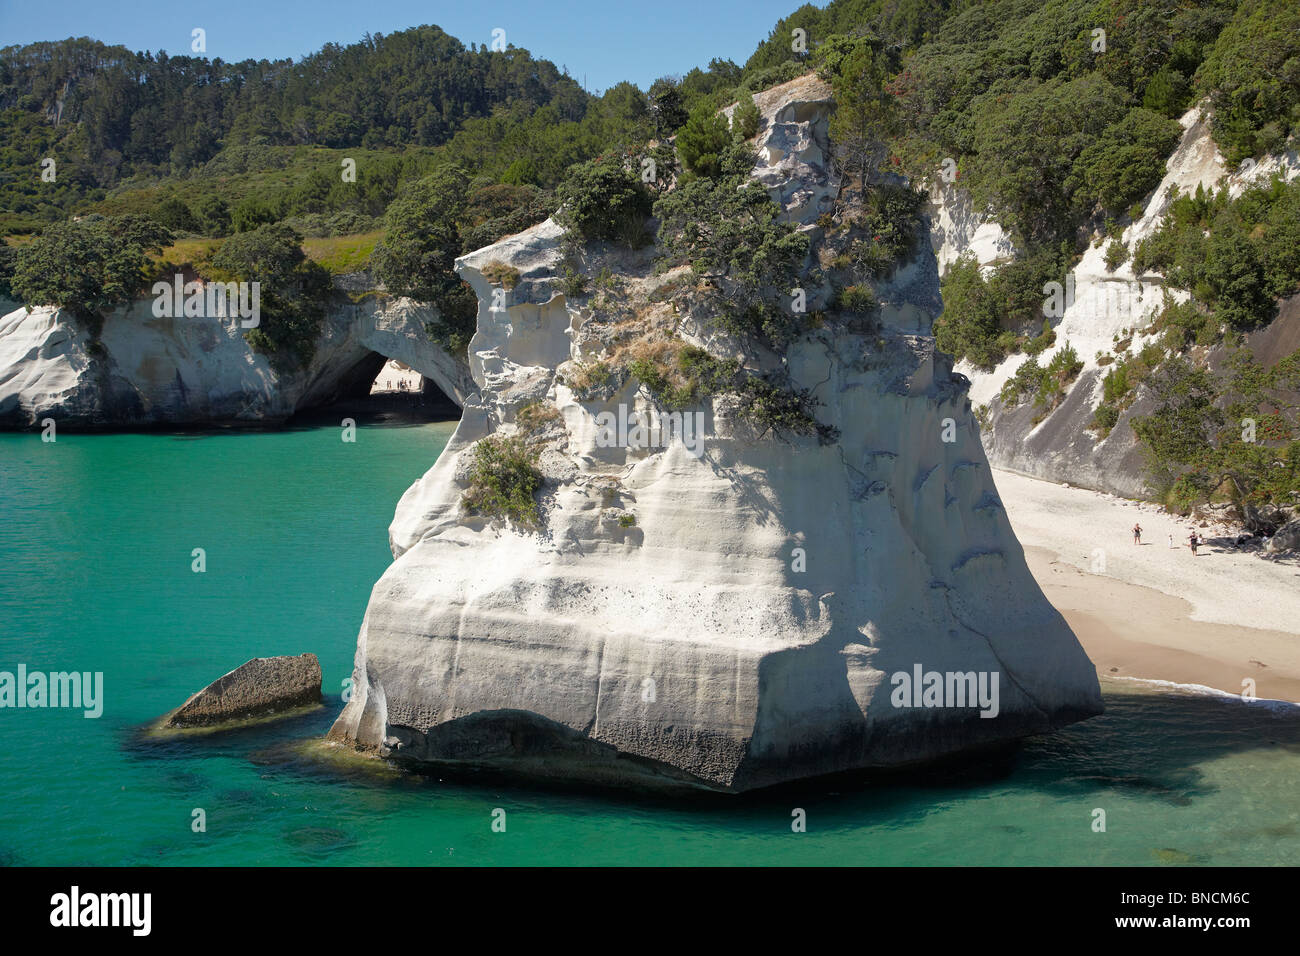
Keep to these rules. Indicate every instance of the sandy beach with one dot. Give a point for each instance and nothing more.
(1153, 612)
(396, 377)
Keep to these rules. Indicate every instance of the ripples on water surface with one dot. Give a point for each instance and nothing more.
(96, 535)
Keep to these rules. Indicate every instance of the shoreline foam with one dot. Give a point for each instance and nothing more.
(1156, 614)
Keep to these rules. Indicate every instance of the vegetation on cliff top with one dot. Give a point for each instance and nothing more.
(1056, 117)
(1236, 257)
(1228, 436)
(87, 266)
(420, 245)
(503, 481)
(294, 291)
(1047, 123)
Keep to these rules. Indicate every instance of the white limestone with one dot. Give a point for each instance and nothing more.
(743, 630)
(1103, 309)
(196, 370)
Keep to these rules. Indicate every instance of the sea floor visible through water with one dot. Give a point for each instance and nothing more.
(97, 553)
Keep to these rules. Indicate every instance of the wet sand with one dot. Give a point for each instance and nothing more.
(1152, 612)
(1132, 631)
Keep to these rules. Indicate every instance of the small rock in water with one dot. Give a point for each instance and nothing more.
(259, 688)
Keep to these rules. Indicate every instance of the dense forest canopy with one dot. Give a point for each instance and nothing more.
(107, 114)
(1055, 116)
(1018, 92)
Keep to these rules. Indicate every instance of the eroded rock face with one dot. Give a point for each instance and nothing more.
(1286, 538)
(44, 365)
(794, 154)
(197, 371)
(263, 687)
(956, 228)
(1104, 309)
(726, 621)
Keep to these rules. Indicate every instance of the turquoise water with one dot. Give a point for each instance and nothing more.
(96, 536)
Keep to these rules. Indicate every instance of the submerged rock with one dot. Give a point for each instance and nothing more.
(263, 687)
(726, 616)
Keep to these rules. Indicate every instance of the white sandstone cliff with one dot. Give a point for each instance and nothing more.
(198, 370)
(1103, 308)
(729, 621)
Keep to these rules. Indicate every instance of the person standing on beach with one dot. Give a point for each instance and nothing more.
(1171, 541)
(1194, 542)
(1137, 533)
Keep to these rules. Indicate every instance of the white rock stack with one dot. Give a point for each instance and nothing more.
(727, 621)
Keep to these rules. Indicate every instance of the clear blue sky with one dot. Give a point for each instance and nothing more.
(609, 41)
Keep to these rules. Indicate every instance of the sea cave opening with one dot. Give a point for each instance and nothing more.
(379, 389)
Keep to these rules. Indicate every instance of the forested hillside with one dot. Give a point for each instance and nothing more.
(108, 115)
(1055, 116)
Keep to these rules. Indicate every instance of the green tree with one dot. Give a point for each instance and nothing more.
(213, 215)
(175, 214)
(890, 217)
(730, 232)
(1253, 77)
(666, 109)
(746, 118)
(625, 113)
(86, 266)
(519, 173)
(1125, 163)
(1167, 93)
(1026, 147)
(603, 199)
(417, 255)
(1180, 429)
(866, 113)
(293, 291)
(701, 142)
(968, 327)
(252, 213)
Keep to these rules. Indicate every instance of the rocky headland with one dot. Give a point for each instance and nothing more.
(145, 371)
(728, 613)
